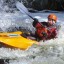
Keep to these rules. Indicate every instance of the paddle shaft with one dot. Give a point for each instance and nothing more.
(24, 10)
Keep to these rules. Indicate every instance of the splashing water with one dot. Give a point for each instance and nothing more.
(48, 52)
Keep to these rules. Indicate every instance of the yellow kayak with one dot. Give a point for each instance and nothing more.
(14, 39)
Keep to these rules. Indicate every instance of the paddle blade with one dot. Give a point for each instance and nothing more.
(21, 7)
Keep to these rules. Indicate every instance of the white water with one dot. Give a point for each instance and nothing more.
(48, 52)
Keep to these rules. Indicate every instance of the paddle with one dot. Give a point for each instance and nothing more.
(23, 9)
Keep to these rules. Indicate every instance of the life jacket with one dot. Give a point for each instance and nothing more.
(41, 30)
(52, 32)
(45, 32)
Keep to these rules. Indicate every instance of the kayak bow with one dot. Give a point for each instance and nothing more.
(14, 39)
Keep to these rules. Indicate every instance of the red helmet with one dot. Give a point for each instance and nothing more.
(53, 16)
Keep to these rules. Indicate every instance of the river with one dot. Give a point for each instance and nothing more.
(42, 54)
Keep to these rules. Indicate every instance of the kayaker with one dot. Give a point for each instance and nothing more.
(46, 30)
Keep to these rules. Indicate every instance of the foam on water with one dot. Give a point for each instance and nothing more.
(48, 52)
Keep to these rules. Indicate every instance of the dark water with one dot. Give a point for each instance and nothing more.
(32, 5)
(4, 61)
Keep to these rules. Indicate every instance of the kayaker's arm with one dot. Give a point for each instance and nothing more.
(37, 21)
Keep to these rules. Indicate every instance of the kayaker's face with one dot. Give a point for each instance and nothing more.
(51, 21)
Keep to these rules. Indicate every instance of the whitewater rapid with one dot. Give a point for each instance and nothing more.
(48, 52)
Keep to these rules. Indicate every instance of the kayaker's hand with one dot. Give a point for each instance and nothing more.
(44, 34)
(36, 20)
